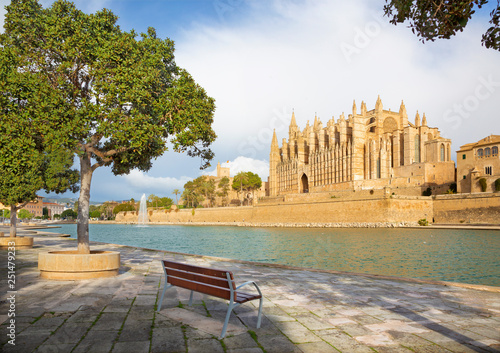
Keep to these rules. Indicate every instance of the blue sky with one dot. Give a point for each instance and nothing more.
(261, 59)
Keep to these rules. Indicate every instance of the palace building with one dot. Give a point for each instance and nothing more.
(369, 149)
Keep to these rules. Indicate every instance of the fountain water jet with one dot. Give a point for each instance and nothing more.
(143, 219)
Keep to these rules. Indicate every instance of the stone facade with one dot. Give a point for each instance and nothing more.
(478, 160)
(367, 150)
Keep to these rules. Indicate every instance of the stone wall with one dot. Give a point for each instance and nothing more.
(467, 208)
(374, 210)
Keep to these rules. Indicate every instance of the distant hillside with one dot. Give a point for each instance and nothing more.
(67, 201)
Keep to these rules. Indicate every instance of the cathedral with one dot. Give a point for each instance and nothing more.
(368, 149)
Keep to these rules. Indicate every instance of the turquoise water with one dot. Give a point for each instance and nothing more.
(467, 256)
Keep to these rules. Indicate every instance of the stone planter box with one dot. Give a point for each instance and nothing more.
(20, 242)
(70, 265)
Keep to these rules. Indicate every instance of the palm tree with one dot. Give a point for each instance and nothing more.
(176, 192)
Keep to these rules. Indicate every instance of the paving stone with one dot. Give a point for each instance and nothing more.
(241, 341)
(110, 321)
(204, 345)
(131, 347)
(277, 344)
(168, 339)
(316, 347)
(68, 333)
(309, 307)
(297, 333)
(96, 342)
(345, 343)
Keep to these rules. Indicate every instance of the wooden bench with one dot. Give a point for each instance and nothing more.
(217, 283)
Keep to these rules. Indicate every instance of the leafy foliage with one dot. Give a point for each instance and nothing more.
(25, 214)
(69, 213)
(198, 190)
(443, 18)
(423, 222)
(123, 207)
(159, 202)
(246, 181)
(111, 97)
(497, 184)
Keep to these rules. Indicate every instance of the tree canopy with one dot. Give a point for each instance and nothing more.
(443, 18)
(159, 202)
(198, 190)
(113, 98)
(246, 181)
(28, 163)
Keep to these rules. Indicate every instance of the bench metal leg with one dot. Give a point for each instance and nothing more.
(165, 287)
(191, 298)
(224, 328)
(259, 317)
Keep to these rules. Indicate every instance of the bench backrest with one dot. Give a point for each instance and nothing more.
(200, 279)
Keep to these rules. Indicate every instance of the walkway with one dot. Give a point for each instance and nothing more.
(304, 311)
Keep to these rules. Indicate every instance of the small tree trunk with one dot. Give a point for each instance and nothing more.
(13, 220)
(84, 204)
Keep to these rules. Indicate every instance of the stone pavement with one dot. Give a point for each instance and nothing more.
(304, 311)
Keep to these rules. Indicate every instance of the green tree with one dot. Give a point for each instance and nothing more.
(95, 214)
(223, 189)
(28, 163)
(431, 19)
(109, 96)
(69, 213)
(24, 214)
(246, 182)
(123, 207)
(176, 192)
(5, 213)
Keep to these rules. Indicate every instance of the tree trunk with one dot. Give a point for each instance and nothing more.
(13, 220)
(84, 204)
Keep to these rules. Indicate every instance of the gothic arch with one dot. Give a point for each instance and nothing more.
(304, 183)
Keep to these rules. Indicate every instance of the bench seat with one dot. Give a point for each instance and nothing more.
(217, 283)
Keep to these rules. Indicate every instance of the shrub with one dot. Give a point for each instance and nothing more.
(427, 192)
(192, 212)
(453, 187)
(497, 184)
(423, 222)
(483, 184)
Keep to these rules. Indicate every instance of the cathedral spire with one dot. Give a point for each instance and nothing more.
(424, 120)
(354, 110)
(378, 105)
(402, 108)
(417, 120)
(274, 143)
(363, 108)
(293, 122)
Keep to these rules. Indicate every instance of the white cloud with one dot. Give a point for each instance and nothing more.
(139, 182)
(244, 164)
(292, 55)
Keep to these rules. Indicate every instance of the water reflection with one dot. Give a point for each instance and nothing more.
(469, 256)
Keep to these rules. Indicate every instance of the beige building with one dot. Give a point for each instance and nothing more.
(478, 160)
(54, 208)
(368, 149)
(233, 197)
(35, 207)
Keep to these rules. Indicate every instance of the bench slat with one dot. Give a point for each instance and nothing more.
(196, 277)
(201, 270)
(223, 293)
